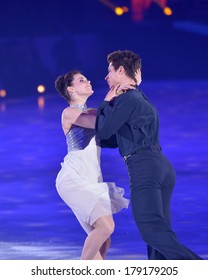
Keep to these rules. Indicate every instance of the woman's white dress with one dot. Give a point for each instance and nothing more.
(80, 184)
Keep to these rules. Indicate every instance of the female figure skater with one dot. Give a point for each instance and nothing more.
(79, 182)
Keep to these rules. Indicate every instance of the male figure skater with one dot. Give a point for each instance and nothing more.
(134, 121)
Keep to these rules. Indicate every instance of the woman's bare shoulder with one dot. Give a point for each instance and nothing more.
(69, 112)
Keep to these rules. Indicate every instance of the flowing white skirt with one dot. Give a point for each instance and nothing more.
(80, 185)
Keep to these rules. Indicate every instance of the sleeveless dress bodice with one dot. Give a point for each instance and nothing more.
(78, 138)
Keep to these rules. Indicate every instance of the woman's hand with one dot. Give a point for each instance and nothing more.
(123, 88)
(138, 77)
(111, 94)
(115, 91)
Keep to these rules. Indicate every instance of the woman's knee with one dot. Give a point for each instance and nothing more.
(106, 225)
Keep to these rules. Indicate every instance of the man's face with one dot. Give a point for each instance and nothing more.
(113, 76)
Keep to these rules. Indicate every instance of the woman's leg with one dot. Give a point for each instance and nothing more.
(103, 228)
(104, 248)
(98, 256)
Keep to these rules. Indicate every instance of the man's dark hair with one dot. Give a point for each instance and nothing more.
(130, 61)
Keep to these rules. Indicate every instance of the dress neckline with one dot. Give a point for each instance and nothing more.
(83, 107)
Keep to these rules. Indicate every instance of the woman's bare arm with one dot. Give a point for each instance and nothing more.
(73, 116)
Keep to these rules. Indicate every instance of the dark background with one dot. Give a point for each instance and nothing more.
(42, 39)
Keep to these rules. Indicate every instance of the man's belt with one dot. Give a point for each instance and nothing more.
(141, 149)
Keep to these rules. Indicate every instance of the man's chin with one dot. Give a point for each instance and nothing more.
(109, 85)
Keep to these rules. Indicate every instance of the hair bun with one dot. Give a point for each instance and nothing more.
(59, 84)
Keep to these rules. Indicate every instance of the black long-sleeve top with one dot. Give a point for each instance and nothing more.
(130, 120)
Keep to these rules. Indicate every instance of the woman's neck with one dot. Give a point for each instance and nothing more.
(78, 102)
(80, 106)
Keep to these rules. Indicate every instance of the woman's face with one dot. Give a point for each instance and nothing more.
(81, 85)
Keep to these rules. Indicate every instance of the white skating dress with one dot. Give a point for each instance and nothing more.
(80, 184)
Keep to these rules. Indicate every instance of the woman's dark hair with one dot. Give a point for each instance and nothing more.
(130, 61)
(62, 82)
